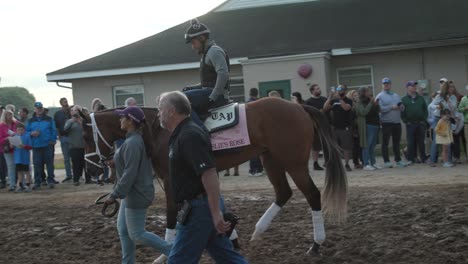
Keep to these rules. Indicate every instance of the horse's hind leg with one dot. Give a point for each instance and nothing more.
(303, 181)
(277, 177)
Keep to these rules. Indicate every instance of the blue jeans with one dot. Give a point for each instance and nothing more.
(3, 169)
(10, 162)
(65, 145)
(368, 153)
(131, 228)
(43, 156)
(200, 101)
(415, 134)
(255, 165)
(199, 234)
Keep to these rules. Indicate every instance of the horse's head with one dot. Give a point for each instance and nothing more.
(100, 130)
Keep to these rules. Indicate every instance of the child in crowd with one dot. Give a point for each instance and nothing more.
(22, 158)
(444, 135)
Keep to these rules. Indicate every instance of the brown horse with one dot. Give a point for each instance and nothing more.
(280, 132)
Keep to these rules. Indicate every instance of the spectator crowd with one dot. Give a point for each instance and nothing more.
(22, 136)
(436, 124)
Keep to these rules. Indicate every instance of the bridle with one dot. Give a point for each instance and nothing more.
(96, 136)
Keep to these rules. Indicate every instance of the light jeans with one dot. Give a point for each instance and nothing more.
(10, 161)
(131, 227)
(368, 153)
(65, 145)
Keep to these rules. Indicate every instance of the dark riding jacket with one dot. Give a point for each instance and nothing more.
(214, 70)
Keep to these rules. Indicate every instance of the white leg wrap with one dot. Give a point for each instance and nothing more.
(264, 223)
(170, 235)
(233, 235)
(319, 228)
(170, 238)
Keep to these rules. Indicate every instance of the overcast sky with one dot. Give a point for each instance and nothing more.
(38, 37)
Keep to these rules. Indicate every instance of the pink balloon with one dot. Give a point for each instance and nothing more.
(305, 70)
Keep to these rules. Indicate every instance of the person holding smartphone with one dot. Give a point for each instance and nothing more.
(74, 130)
(390, 117)
(341, 120)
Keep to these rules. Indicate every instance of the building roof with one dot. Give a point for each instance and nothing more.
(294, 28)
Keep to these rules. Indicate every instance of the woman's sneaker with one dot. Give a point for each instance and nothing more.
(369, 168)
(447, 165)
(377, 167)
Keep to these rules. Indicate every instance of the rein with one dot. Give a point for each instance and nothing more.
(96, 136)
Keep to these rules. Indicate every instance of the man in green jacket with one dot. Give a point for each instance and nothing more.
(414, 116)
(463, 108)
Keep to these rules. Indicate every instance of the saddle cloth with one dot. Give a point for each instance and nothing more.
(234, 136)
(222, 117)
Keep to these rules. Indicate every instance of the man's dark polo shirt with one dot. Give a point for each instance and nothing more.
(190, 155)
(316, 102)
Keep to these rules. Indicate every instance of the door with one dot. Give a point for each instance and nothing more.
(283, 87)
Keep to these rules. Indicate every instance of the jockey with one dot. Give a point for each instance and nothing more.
(213, 90)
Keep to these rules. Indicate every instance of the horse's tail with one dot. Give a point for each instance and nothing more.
(335, 193)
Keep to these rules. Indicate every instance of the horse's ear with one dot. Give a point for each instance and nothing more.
(84, 116)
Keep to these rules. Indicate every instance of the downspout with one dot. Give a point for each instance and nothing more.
(63, 86)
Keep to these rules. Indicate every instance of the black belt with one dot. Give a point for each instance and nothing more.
(199, 196)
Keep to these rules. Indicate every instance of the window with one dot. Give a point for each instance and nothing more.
(121, 93)
(237, 89)
(355, 77)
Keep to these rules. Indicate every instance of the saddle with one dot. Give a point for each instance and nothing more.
(222, 117)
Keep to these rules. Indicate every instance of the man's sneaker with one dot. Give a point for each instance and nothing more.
(448, 165)
(67, 179)
(377, 167)
(317, 166)
(2, 185)
(388, 165)
(18, 189)
(44, 183)
(369, 168)
(76, 183)
(51, 185)
(258, 174)
(27, 189)
(348, 168)
(11, 189)
(401, 164)
(36, 187)
(409, 162)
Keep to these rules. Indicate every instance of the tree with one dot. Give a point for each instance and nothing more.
(17, 96)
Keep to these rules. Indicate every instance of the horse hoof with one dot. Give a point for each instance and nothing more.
(314, 251)
(161, 260)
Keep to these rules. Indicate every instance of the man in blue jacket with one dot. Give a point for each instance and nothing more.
(43, 134)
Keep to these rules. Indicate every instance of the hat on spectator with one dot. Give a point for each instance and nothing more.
(134, 112)
(442, 80)
(386, 80)
(38, 104)
(411, 83)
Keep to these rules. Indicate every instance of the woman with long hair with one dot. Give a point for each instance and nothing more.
(443, 101)
(7, 129)
(134, 185)
(368, 122)
(297, 98)
(357, 150)
(458, 126)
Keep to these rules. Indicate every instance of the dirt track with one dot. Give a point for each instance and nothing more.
(412, 215)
